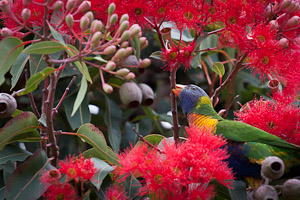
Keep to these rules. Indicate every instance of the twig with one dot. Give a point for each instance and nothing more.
(229, 106)
(143, 140)
(176, 126)
(238, 66)
(63, 96)
(31, 99)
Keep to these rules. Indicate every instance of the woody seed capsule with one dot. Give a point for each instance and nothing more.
(148, 94)
(291, 189)
(8, 105)
(272, 167)
(265, 192)
(130, 94)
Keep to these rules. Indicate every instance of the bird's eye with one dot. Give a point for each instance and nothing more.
(193, 88)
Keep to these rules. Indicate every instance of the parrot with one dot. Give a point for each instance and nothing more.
(247, 145)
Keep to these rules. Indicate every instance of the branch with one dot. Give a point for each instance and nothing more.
(176, 126)
(31, 99)
(143, 140)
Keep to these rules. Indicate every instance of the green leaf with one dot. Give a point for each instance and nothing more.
(22, 123)
(44, 47)
(82, 115)
(154, 139)
(239, 190)
(109, 156)
(103, 170)
(32, 136)
(13, 153)
(80, 95)
(71, 50)
(157, 55)
(112, 118)
(35, 80)
(151, 114)
(8, 169)
(219, 68)
(137, 47)
(37, 62)
(56, 35)
(132, 186)
(8, 54)
(93, 136)
(17, 68)
(24, 183)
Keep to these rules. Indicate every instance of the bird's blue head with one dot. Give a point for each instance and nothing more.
(191, 96)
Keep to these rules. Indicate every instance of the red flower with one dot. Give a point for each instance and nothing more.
(51, 176)
(79, 169)
(61, 192)
(179, 172)
(278, 118)
(115, 192)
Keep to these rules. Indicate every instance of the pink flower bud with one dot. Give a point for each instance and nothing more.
(69, 21)
(57, 5)
(107, 88)
(142, 40)
(285, 4)
(125, 35)
(96, 26)
(120, 54)
(26, 3)
(123, 26)
(84, 6)
(122, 72)
(134, 30)
(110, 66)
(111, 8)
(283, 42)
(129, 51)
(131, 61)
(70, 5)
(5, 7)
(109, 50)
(113, 19)
(90, 15)
(25, 14)
(84, 23)
(130, 76)
(124, 17)
(95, 39)
(6, 32)
(273, 24)
(145, 63)
(124, 44)
(292, 22)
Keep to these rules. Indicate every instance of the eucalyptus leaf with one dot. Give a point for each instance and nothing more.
(17, 68)
(80, 95)
(219, 68)
(8, 169)
(44, 47)
(9, 53)
(103, 170)
(13, 153)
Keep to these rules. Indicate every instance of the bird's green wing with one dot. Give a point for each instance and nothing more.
(241, 132)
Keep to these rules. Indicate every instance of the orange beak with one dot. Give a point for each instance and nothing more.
(178, 89)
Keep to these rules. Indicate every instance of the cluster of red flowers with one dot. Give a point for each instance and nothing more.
(280, 118)
(75, 169)
(182, 172)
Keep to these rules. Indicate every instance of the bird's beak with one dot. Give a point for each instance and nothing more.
(178, 88)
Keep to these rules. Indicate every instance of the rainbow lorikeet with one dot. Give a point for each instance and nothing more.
(247, 146)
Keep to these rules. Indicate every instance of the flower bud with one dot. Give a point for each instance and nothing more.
(293, 8)
(84, 6)
(84, 23)
(283, 43)
(69, 21)
(125, 35)
(292, 22)
(70, 5)
(124, 17)
(96, 26)
(145, 63)
(124, 44)
(111, 8)
(6, 32)
(273, 24)
(5, 7)
(291, 189)
(272, 167)
(285, 4)
(113, 19)
(8, 105)
(148, 94)
(131, 61)
(26, 3)
(110, 66)
(95, 39)
(134, 30)
(265, 192)
(143, 40)
(26, 13)
(107, 88)
(145, 45)
(122, 72)
(109, 50)
(130, 94)
(129, 51)
(57, 5)
(123, 26)
(90, 15)
(120, 54)
(130, 76)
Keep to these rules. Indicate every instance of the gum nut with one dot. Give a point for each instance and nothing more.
(272, 167)
(148, 94)
(265, 192)
(131, 60)
(130, 94)
(291, 189)
(8, 105)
